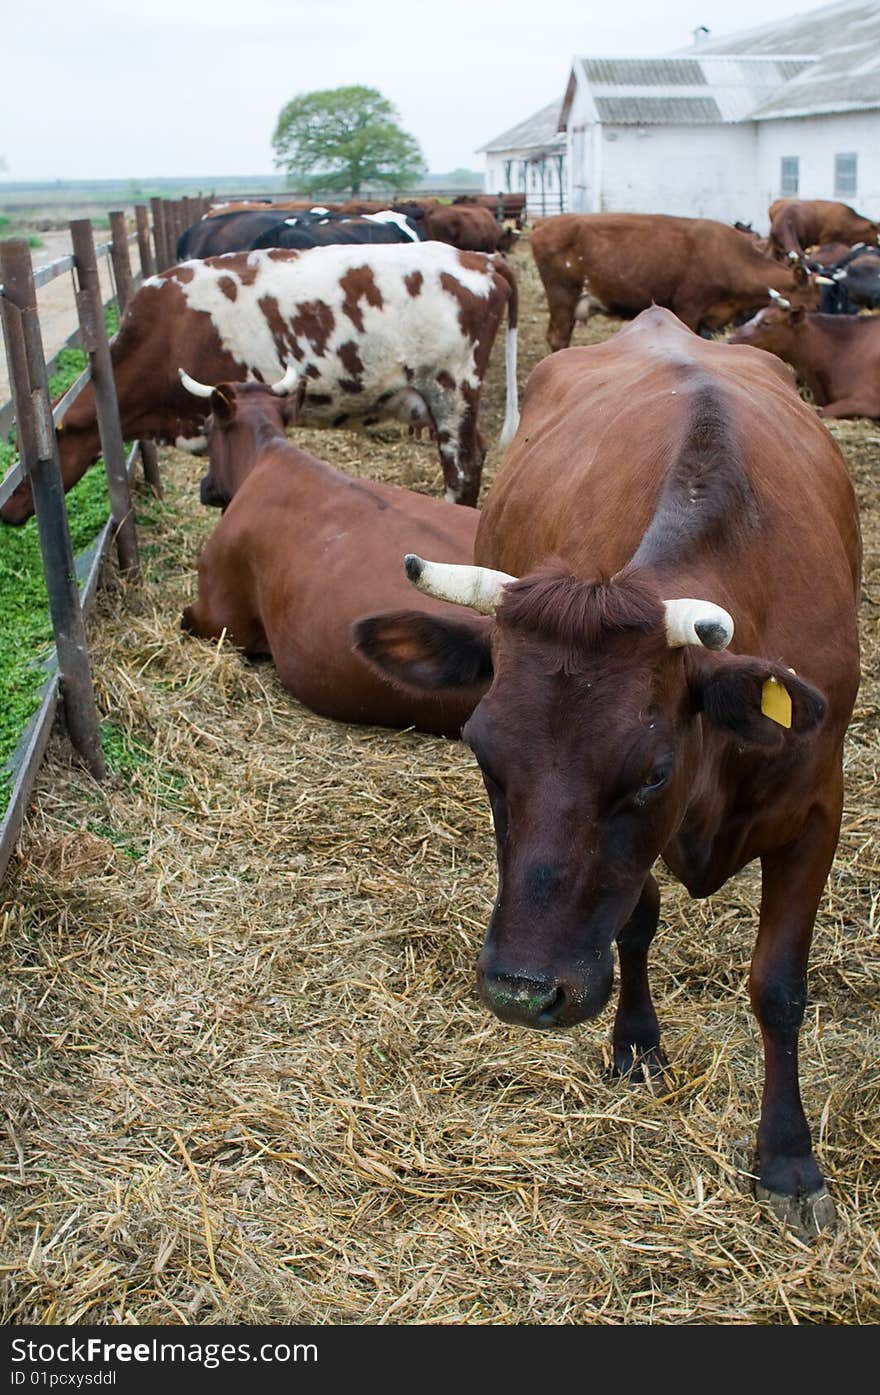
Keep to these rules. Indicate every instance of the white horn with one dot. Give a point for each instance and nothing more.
(288, 382)
(697, 622)
(197, 389)
(478, 587)
(780, 300)
(824, 280)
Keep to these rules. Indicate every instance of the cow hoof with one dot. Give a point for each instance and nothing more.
(641, 1068)
(805, 1216)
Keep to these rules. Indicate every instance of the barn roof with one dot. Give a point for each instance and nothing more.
(539, 131)
(844, 75)
(704, 89)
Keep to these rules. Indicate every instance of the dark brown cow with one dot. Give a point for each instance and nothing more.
(707, 272)
(403, 329)
(513, 206)
(796, 224)
(650, 468)
(837, 356)
(302, 551)
(471, 229)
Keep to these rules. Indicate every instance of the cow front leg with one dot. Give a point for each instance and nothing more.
(562, 300)
(461, 457)
(793, 880)
(636, 1035)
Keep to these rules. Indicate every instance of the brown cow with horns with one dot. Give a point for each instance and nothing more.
(628, 721)
(283, 573)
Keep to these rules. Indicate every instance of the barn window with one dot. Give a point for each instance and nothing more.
(788, 176)
(846, 175)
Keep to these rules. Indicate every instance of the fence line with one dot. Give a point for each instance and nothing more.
(70, 584)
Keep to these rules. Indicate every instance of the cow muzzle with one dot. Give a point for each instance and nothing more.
(210, 495)
(547, 1001)
(19, 507)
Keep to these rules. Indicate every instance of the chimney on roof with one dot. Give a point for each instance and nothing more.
(701, 34)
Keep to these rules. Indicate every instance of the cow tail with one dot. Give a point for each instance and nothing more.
(511, 411)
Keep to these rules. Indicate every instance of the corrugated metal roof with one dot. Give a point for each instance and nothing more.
(539, 130)
(817, 32)
(658, 111)
(845, 79)
(644, 72)
(790, 67)
(843, 40)
(730, 86)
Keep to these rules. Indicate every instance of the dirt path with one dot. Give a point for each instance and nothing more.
(56, 300)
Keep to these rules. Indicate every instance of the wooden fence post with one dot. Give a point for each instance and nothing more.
(122, 266)
(159, 238)
(39, 452)
(121, 261)
(142, 218)
(94, 339)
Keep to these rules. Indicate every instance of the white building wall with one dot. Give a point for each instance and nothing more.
(494, 177)
(690, 171)
(815, 140)
(525, 178)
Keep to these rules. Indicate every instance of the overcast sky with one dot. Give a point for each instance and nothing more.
(123, 88)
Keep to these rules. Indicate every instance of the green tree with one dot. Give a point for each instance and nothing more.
(344, 140)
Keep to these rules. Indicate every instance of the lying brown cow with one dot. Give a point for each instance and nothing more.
(796, 224)
(837, 356)
(707, 272)
(398, 330)
(628, 721)
(293, 589)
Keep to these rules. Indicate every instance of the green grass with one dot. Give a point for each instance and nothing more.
(7, 230)
(25, 626)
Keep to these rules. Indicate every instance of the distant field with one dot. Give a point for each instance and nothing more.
(44, 205)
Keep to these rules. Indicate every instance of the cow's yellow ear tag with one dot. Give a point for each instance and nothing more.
(776, 702)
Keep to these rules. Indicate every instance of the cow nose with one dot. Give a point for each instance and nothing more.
(530, 1002)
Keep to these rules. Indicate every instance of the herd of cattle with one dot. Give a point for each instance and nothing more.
(647, 634)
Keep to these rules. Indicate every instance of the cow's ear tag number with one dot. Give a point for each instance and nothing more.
(776, 702)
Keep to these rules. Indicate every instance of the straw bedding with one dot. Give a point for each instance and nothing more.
(246, 1077)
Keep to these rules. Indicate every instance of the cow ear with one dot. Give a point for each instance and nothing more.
(796, 315)
(754, 699)
(426, 652)
(222, 406)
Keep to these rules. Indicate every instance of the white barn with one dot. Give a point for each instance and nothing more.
(530, 159)
(723, 128)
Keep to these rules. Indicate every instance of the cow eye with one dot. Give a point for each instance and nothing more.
(658, 777)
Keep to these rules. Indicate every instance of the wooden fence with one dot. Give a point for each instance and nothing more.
(70, 583)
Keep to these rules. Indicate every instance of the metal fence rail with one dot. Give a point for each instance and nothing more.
(70, 584)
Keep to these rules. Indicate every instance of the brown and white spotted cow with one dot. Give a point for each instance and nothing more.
(400, 330)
